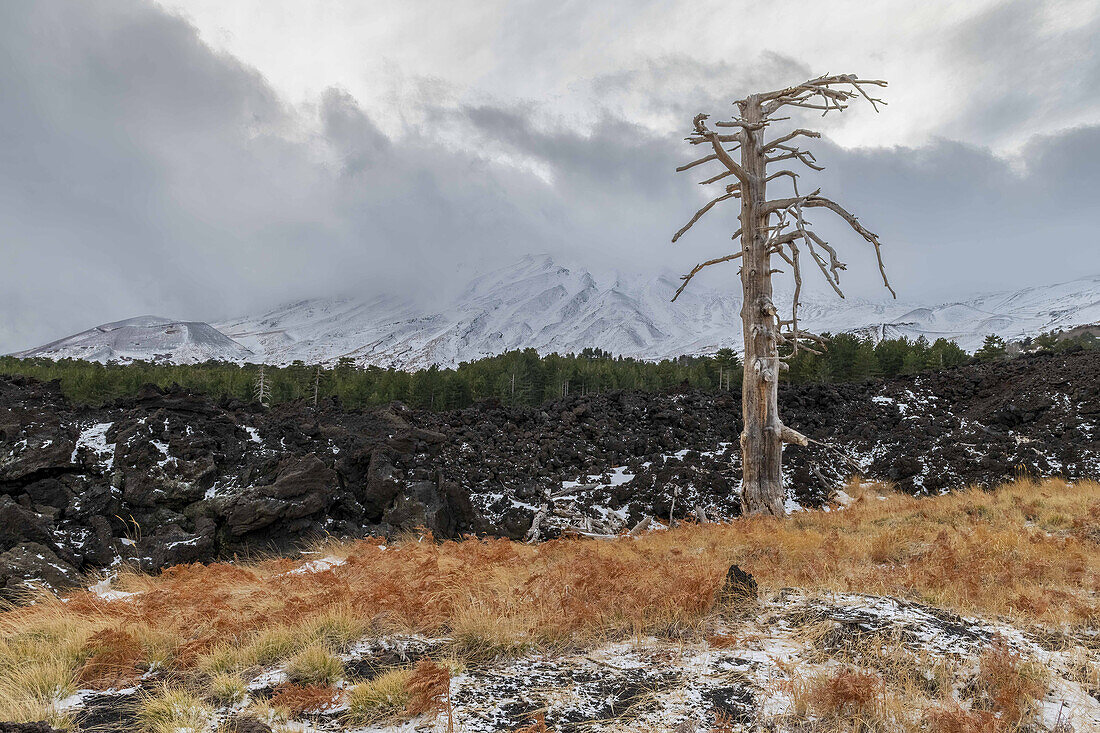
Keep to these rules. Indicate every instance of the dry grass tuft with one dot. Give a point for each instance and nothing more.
(847, 695)
(227, 689)
(382, 698)
(114, 660)
(537, 725)
(724, 641)
(429, 688)
(957, 720)
(314, 665)
(171, 710)
(298, 699)
(723, 723)
(1009, 686)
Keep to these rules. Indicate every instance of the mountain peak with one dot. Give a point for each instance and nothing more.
(536, 302)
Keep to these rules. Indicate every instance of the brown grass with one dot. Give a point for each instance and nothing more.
(723, 723)
(114, 660)
(957, 720)
(297, 699)
(1028, 550)
(429, 689)
(1008, 686)
(847, 694)
(537, 725)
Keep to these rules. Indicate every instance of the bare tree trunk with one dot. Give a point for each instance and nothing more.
(761, 441)
(764, 433)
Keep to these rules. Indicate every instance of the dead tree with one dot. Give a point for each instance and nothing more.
(773, 227)
(262, 390)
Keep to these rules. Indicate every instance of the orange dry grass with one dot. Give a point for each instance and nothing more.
(1027, 550)
(845, 694)
(537, 725)
(114, 660)
(957, 720)
(299, 699)
(429, 689)
(1006, 686)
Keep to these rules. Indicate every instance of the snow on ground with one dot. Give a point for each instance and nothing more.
(103, 590)
(94, 438)
(318, 566)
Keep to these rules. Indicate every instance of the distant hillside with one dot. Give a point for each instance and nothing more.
(146, 338)
(538, 303)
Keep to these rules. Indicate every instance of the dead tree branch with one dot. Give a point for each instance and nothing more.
(699, 214)
(687, 278)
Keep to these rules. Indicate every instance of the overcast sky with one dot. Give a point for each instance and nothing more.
(206, 158)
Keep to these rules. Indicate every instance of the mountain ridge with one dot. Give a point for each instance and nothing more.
(536, 302)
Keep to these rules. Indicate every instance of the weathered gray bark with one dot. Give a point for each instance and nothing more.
(764, 433)
(761, 441)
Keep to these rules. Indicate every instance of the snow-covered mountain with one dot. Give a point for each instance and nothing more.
(535, 303)
(539, 303)
(1011, 314)
(148, 338)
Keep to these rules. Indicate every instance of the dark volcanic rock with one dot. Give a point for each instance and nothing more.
(303, 486)
(372, 478)
(41, 727)
(19, 522)
(246, 724)
(441, 510)
(740, 587)
(29, 565)
(170, 477)
(170, 544)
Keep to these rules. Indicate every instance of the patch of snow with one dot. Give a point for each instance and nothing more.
(163, 448)
(319, 566)
(271, 678)
(104, 591)
(94, 438)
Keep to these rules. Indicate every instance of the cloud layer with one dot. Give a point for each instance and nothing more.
(142, 170)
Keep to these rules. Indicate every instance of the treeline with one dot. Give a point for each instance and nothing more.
(514, 378)
(849, 358)
(517, 377)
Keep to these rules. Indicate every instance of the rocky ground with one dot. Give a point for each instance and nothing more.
(170, 477)
(792, 661)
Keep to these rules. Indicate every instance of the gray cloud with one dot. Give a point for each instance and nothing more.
(140, 171)
(1036, 66)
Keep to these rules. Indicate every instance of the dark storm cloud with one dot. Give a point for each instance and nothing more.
(961, 220)
(956, 219)
(142, 172)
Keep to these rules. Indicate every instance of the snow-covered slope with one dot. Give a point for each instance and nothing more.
(539, 303)
(1011, 314)
(148, 338)
(534, 303)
